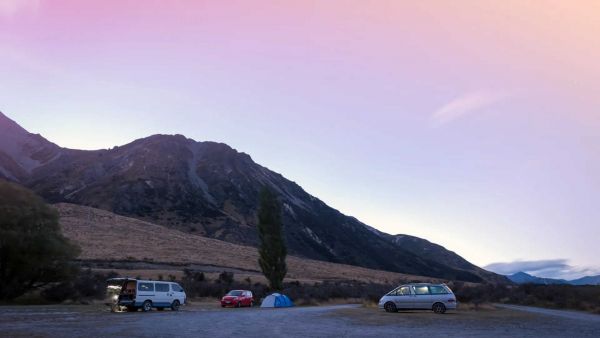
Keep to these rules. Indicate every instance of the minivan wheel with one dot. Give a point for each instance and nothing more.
(175, 305)
(147, 306)
(439, 308)
(390, 307)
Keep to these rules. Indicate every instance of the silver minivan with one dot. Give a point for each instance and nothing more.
(419, 296)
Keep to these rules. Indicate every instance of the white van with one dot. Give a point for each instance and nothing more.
(133, 294)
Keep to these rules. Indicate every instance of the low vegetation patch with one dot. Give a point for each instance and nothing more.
(572, 297)
(89, 286)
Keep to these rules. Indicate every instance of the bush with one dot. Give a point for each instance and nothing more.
(33, 251)
(85, 287)
(585, 298)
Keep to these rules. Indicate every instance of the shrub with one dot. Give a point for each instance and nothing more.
(33, 251)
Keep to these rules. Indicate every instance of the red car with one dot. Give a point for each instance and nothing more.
(238, 298)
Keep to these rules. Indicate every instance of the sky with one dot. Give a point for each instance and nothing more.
(473, 124)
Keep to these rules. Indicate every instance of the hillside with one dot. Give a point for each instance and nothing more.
(208, 189)
(104, 236)
(426, 249)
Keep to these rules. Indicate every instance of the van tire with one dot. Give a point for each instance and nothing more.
(147, 306)
(175, 305)
(390, 307)
(439, 308)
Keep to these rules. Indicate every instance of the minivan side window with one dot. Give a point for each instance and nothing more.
(145, 286)
(400, 291)
(176, 288)
(162, 287)
(421, 290)
(437, 290)
(394, 292)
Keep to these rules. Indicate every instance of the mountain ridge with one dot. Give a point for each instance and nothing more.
(525, 278)
(211, 189)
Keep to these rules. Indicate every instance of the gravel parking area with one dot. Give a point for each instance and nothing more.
(325, 321)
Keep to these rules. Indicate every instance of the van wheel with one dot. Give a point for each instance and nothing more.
(439, 308)
(390, 307)
(175, 305)
(147, 306)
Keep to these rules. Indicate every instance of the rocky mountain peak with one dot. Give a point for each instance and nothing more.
(20, 151)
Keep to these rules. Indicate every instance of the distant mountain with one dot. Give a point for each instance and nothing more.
(525, 278)
(588, 280)
(210, 189)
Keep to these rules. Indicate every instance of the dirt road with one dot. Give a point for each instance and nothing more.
(589, 317)
(326, 321)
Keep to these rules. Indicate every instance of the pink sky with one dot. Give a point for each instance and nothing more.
(474, 124)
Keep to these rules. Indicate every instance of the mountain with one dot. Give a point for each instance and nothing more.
(435, 252)
(587, 280)
(525, 278)
(21, 152)
(209, 189)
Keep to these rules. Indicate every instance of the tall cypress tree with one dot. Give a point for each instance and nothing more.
(272, 250)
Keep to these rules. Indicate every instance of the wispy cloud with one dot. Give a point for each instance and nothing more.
(12, 7)
(466, 104)
(550, 268)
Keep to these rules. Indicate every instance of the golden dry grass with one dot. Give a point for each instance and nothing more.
(103, 235)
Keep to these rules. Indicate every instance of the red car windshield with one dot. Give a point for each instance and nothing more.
(235, 293)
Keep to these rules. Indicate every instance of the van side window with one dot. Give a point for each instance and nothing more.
(421, 290)
(162, 287)
(145, 286)
(437, 290)
(176, 288)
(404, 291)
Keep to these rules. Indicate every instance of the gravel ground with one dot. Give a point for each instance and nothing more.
(324, 321)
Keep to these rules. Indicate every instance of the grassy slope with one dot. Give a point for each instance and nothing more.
(103, 235)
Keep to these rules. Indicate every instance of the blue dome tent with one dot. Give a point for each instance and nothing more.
(277, 300)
